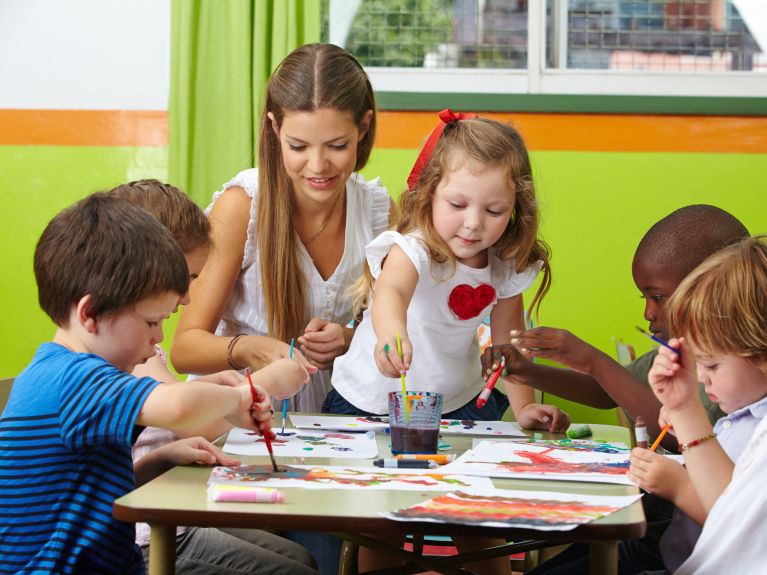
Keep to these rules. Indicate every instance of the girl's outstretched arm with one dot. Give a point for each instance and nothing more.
(507, 315)
(392, 293)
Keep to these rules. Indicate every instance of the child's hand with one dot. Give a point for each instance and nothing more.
(556, 345)
(254, 415)
(673, 378)
(388, 360)
(322, 342)
(290, 377)
(664, 419)
(657, 474)
(543, 416)
(516, 361)
(195, 450)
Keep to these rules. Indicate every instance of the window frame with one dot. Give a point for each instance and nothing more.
(743, 92)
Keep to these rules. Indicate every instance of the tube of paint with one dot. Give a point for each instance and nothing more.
(577, 431)
(220, 492)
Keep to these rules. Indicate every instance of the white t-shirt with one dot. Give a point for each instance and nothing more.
(445, 348)
(736, 529)
(367, 215)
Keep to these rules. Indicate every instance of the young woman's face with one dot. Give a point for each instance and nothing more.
(319, 150)
(471, 208)
(731, 381)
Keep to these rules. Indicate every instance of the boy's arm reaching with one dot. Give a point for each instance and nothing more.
(508, 314)
(182, 452)
(594, 378)
(392, 293)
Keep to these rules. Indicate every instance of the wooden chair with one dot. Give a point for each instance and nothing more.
(5, 390)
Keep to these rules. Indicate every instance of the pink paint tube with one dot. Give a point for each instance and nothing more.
(220, 492)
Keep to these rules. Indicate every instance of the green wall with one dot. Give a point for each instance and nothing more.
(595, 208)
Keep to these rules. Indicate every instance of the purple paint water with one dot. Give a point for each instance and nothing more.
(409, 439)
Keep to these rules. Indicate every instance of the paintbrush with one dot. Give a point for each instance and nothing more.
(402, 380)
(285, 401)
(267, 438)
(656, 339)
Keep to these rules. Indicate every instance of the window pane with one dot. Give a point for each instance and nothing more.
(673, 35)
(430, 33)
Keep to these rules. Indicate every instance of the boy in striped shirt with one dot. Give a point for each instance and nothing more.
(108, 274)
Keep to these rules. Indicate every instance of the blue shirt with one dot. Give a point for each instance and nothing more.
(65, 456)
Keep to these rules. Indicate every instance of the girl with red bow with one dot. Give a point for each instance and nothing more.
(465, 246)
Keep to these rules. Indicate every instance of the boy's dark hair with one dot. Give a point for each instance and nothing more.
(108, 249)
(687, 236)
(172, 207)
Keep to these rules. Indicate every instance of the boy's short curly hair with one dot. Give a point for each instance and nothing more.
(721, 306)
(106, 248)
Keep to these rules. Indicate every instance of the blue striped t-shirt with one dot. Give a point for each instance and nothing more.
(65, 456)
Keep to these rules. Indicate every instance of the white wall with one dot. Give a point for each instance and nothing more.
(85, 54)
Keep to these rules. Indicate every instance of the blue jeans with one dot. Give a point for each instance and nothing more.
(496, 406)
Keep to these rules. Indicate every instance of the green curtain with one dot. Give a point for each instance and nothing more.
(222, 52)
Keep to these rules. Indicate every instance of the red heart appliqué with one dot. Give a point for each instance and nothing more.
(467, 302)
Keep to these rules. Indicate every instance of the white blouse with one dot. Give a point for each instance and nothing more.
(445, 347)
(367, 215)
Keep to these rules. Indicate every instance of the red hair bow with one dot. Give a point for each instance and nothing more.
(448, 117)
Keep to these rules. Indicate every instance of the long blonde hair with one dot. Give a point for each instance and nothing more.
(492, 143)
(312, 77)
(721, 306)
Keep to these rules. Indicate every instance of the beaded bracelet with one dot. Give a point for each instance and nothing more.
(230, 349)
(685, 446)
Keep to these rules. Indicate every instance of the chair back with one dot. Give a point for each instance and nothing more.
(5, 390)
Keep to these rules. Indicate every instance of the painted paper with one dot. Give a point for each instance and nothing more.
(340, 423)
(525, 460)
(303, 443)
(471, 427)
(339, 477)
(541, 510)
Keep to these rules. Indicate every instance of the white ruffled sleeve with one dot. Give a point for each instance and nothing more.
(379, 204)
(380, 247)
(512, 282)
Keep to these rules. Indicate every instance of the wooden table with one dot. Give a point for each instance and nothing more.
(179, 497)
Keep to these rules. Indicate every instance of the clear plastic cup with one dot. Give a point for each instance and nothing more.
(420, 432)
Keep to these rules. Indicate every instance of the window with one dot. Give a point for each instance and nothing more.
(598, 47)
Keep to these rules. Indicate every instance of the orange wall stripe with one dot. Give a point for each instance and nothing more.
(573, 132)
(83, 127)
(600, 133)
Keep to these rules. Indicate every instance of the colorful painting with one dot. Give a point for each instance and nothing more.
(329, 477)
(579, 445)
(304, 443)
(525, 460)
(340, 423)
(544, 511)
(471, 427)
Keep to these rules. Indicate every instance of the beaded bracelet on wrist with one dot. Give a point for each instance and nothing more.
(689, 445)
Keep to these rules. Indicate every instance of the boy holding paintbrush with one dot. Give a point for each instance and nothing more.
(108, 274)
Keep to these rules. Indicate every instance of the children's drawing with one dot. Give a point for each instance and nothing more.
(339, 423)
(544, 511)
(329, 477)
(531, 461)
(303, 443)
(579, 445)
(471, 427)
